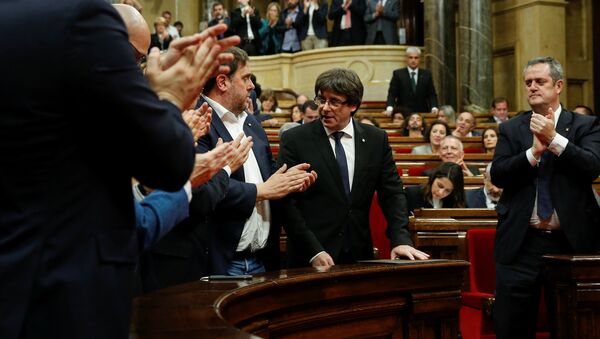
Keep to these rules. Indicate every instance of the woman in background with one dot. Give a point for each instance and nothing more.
(489, 138)
(269, 103)
(271, 31)
(434, 135)
(444, 189)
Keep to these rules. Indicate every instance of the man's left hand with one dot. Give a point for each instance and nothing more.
(405, 251)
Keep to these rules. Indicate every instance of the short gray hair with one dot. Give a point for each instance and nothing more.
(556, 70)
(452, 137)
(413, 50)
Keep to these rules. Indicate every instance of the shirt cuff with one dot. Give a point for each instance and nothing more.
(532, 160)
(228, 170)
(558, 144)
(188, 190)
(389, 109)
(316, 255)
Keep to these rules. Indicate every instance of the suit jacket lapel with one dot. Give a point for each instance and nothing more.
(564, 123)
(526, 133)
(323, 146)
(259, 148)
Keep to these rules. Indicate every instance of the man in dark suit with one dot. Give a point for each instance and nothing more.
(486, 196)
(546, 160)
(412, 86)
(243, 230)
(380, 19)
(348, 22)
(245, 22)
(312, 22)
(499, 110)
(329, 223)
(219, 16)
(68, 242)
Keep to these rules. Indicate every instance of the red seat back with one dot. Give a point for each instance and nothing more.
(417, 170)
(482, 273)
(378, 226)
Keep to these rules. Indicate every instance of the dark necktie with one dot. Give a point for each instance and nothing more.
(413, 81)
(544, 201)
(340, 157)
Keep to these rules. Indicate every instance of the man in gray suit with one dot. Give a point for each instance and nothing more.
(380, 18)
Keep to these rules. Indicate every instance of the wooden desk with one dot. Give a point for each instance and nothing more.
(443, 232)
(417, 300)
(576, 286)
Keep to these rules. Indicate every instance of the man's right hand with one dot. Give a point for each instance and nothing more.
(323, 259)
(210, 163)
(283, 182)
(537, 148)
(181, 74)
(241, 151)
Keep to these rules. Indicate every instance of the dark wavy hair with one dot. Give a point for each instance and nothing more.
(427, 133)
(450, 170)
(240, 58)
(341, 81)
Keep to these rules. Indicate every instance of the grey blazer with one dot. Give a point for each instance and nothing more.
(385, 22)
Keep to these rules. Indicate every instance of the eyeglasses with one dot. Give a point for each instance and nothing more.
(140, 58)
(333, 103)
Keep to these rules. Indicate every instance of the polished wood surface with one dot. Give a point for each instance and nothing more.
(576, 286)
(401, 300)
(443, 232)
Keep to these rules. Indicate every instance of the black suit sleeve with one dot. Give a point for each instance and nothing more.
(431, 94)
(394, 89)
(392, 199)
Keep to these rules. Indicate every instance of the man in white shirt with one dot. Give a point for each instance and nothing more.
(486, 196)
(499, 110)
(172, 30)
(243, 230)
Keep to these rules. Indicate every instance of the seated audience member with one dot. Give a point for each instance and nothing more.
(485, 197)
(301, 99)
(309, 113)
(219, 16)
(499, 110)
(160, 38)
(271, 31)
(465, 125)
(415, 126)
(368, 121)
(398, 118)
(312, 24)
(581, 109)
(179, 26)
(269, 103)
(444, 189)
(452, 150)
(434, 135)
(245, 22)
(489, 138)
(447, 114)
(173, 32)
(348, 24)
(296, 114)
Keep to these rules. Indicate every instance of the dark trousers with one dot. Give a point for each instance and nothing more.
(249, 47)
(519, 285)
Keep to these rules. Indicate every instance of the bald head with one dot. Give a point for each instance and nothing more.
(137, 28)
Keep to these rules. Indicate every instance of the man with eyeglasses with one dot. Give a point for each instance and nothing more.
(329, 223)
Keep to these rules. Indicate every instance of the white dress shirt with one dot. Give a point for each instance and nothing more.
(256, 230)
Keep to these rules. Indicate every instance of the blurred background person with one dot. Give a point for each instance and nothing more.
(499, 110)
(291, 41)
(489, 138)
(160, 38)
(415, 126)
(367, 120)
(445, 188)
(296, 114)
(173, 32)
(268, 102)
(219, 16)
(179, 26)
(271, 31)
(245, 22)
(312, 25)
(348, 22)
(465, 126)
(486, 196)
(447, 114)
(434, 135)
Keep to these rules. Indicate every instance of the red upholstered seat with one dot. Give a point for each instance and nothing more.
(403, 150)
(378, 225)
(417, 170)
(473, 150)
(475, 320)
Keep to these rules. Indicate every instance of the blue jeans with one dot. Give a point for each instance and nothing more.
(247, 265)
